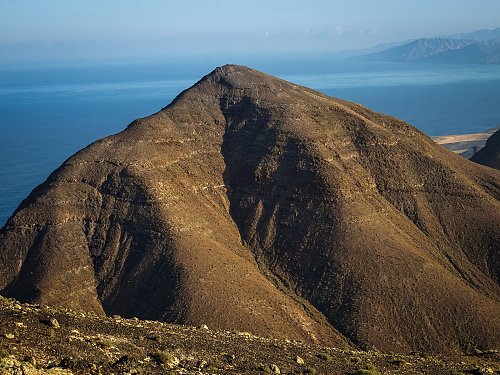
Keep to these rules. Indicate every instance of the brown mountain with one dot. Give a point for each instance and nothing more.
(254, 204)
(490, 154)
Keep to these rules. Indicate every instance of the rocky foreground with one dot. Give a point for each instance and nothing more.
(36, 340)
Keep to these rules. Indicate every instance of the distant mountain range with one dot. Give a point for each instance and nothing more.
(477, 47)
(478, 35)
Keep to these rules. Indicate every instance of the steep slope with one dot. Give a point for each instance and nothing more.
(251, 203)
(490, 154)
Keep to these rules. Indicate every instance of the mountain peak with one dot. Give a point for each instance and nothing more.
(229, 78)
(235, 75)
(230, 69)
(254, 204)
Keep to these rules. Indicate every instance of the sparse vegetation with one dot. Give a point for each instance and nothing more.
(164, 357)
(104, 343)
(99, 344)
(480, 371)
(309, 370)
(324, 356)
(487, 351)
(397, 361)
(267, 369)
(228, 357)
(51, 322)
(355, 359)
(369, 369)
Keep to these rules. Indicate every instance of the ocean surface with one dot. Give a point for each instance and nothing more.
(47, 113)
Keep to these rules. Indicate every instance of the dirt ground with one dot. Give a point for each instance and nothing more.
(36, 340)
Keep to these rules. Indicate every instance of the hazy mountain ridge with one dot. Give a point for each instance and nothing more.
(254, 204)
(479, 47)
(478, 35)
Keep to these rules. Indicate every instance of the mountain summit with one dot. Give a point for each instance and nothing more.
(254, 204)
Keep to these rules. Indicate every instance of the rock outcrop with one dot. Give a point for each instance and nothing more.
(254, 204)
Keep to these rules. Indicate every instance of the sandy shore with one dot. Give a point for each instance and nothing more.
(465, 144)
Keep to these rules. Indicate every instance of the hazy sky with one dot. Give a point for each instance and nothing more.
(90, 29)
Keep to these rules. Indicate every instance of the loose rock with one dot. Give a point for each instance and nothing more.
(299, 360)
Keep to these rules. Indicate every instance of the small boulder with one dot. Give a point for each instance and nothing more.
(54, 323)
(299, 360)
(275, 369)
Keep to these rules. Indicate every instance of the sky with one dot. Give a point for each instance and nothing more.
(32, 30)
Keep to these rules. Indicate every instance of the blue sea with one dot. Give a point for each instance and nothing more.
(49, 112)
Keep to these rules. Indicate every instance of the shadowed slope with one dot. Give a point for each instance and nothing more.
(489, 155)
(254, 204)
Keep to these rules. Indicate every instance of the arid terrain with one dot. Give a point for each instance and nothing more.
(51, 341)
(252, 204)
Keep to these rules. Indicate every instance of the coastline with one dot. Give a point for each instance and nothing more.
(465, 145)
